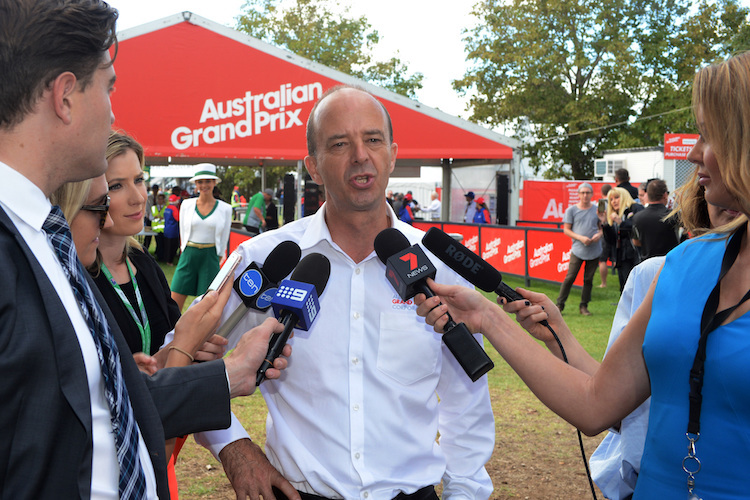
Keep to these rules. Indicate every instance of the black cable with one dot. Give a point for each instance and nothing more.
(580, 438)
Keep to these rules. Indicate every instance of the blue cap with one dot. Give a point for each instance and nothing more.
(470, 194)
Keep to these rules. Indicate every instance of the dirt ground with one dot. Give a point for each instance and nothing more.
(537, 456)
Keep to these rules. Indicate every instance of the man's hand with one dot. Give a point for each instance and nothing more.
(251, 474)
(212, 349)
(243, 363)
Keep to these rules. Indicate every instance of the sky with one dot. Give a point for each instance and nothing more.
(428, 38)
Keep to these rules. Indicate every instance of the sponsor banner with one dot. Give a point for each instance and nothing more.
(677, 146)
(504, 249)
(547, 201)
(548, 256)
(425, 226)
(470, 235)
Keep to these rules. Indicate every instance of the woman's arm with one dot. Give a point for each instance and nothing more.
(591, 402)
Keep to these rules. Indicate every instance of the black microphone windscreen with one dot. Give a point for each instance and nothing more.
(389, 242)
(281, 261)
(315, 269)
(463, 261)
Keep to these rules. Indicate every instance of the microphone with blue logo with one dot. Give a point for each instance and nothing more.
(407, 268)
(296, 304)
(257, 285)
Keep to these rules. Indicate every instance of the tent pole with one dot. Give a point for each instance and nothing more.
(445, 210)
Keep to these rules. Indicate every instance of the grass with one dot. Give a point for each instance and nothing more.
(536, 454)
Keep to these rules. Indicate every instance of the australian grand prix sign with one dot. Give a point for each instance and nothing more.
(249, 114)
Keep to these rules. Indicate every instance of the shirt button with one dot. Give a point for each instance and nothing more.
(355, 407)
(356, 455)
(355, 361)
(356, 315)
(357, 271)
(366, 495)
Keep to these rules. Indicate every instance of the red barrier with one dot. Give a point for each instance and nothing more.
(548, 255)
(504, 249)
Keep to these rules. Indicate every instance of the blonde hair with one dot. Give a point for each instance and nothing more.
(625, 202)
(71, 196)
(722, 93)
(119, 143)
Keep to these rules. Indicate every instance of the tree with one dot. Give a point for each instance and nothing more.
(310, 29)
(578, 75)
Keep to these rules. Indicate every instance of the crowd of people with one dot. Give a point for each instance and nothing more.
(102, 372)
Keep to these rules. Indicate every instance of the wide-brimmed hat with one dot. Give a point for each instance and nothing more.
(205, 171)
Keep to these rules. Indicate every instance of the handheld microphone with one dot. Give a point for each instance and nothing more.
(469, 265)
(296, 304)
(407, 269)
(256, 286)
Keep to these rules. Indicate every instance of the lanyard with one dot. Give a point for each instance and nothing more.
(710, 320)
(144, 328)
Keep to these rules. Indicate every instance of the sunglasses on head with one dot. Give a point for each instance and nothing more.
(103, 209)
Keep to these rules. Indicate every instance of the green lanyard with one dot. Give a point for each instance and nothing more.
(143, 325)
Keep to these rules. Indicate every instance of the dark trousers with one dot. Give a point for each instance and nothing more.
(170, 249)
(588, 279)
(426, 493)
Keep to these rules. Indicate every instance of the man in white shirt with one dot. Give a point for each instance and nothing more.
(74, 402)
(370, 386)
(434, 207)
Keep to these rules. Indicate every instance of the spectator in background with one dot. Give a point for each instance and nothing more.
(172, 229)
(642, 193)
(618, 231)
(622, 177)
(581, 224)
(236, 201)
(204, 234)
(272, 214)
(482, 215)
(405, 213)
(157, 224)
(471, 207)
(433, 210)
(653, 230)
(607, 251)
(389, 197)
(150, 202)
(255, 216)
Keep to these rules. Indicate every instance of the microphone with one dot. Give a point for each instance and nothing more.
(407, 269)
(256, 286)
(296, 304)
(469, 265)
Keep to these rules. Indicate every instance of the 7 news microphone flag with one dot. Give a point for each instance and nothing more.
(407, 269)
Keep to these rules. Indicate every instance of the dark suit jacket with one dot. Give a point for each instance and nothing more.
(162, 311)
(45, 415)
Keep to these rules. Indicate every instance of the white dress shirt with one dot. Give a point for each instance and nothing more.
(369, 387)
(616, 462)
(28, 208)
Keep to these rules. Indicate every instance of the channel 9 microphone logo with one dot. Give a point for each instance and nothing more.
(297, 297)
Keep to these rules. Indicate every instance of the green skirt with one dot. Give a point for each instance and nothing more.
(195, 271)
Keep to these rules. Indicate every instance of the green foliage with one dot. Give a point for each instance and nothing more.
(579, 74)
(248, 179)
(309, 28)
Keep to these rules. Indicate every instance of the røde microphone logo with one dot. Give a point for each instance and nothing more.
(464, 259)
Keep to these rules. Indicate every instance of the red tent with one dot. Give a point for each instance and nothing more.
(191, 90)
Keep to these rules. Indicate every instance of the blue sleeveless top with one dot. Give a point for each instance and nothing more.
(669, 346)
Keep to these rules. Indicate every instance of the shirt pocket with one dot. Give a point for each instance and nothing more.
(407, 351)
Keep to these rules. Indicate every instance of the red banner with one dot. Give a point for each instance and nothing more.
(548, 256)
(504, 249)
(677, 146)
(470, 235)
(547, 200)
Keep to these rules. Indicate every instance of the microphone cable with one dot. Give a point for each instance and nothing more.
(578, 431)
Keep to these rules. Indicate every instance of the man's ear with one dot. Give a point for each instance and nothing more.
(311, 164)
(62, 89)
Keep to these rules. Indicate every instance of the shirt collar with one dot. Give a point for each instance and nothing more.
(22, 197)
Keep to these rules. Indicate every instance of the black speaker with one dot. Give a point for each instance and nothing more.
(290, 198)
(312, 197)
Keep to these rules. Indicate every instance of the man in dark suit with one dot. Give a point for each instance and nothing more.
(653, 232)
(73, 401)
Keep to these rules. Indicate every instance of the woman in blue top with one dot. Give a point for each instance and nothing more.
(482, 215)
(687, 346)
